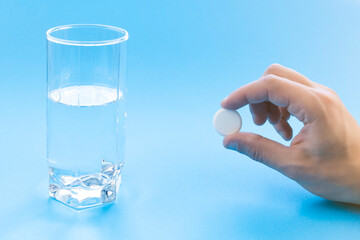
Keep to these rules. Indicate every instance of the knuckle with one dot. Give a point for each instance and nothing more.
(255, 153)
(331, 92)
(273, 69)
(270, 79)
(327, 97)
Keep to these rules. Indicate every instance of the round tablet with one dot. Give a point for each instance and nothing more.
(227, 121)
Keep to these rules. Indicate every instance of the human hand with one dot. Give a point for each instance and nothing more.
(324, 157)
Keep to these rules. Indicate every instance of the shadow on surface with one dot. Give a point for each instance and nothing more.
(325, 209)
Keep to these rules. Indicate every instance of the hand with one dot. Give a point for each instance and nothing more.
(324, 157)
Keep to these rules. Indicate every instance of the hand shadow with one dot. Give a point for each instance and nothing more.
(328, 210)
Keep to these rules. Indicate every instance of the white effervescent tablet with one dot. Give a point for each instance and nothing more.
(227, 121)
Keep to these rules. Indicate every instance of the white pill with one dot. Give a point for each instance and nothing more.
(227, 121)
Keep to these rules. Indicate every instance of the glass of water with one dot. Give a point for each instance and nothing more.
(85, 113)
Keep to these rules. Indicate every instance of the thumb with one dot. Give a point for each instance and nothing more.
(261, 149)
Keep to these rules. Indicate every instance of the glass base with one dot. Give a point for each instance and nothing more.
(80, 192)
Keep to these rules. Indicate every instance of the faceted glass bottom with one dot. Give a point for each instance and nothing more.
(85, 191)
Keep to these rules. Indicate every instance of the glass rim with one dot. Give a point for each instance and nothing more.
(86, 43)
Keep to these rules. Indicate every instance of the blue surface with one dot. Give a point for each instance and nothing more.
(183, 58)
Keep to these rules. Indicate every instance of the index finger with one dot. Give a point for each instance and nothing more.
(297, 98)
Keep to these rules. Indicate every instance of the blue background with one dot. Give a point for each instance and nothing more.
(184, 57)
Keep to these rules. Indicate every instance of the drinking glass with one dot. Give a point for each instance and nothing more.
(85, 113)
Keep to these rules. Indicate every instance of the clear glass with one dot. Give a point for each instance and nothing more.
(85, 113)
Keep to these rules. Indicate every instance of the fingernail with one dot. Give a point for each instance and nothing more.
(232, 145)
